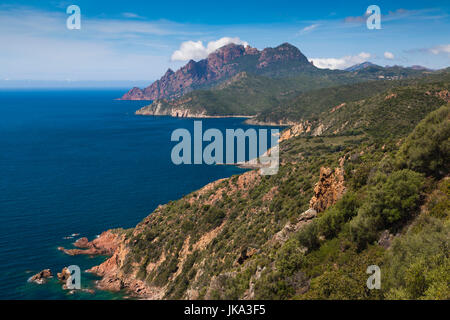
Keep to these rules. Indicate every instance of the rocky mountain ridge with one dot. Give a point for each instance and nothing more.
(219, 66)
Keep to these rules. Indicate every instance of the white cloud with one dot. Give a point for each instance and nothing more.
(309, 28)
(195, 50)
(340, 63)
(40, 47)
(389, 55)
(440, 49)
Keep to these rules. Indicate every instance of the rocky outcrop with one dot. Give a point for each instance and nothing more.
(41, 277)
(63, 275)
(295, 130)
(217, 67)
(444, 95)
(246, 254)
(305, 127)
(115, 279)
(105, 244)
(329, 189)
(391, 96)
(304, 219)
(135, 94)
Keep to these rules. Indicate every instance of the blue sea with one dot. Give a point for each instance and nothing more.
(80, 162)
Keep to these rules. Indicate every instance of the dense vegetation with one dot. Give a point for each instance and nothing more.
(229, 240)
(385, 192)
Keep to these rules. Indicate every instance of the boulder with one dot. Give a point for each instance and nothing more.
(41, 277)
(63, 275)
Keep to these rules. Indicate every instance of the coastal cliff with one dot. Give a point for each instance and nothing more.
(180, 110)
(118, 272)
(164, 108)
(352, 180)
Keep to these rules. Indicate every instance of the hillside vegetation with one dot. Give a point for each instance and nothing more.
(371, 187)
(283, 100)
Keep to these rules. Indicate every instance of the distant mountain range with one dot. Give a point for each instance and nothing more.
(361, 66)
(282, 61)
(275, 86)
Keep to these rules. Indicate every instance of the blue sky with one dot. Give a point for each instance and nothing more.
(139, 40)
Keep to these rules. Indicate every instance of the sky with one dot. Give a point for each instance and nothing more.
(140, 40)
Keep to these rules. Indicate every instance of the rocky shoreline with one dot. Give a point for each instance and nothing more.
(115, 244)
(115, 277)
(105, 244)
(164, 108)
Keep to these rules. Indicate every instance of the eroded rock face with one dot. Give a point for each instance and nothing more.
(295, 131)
(41, 277)
(220, 65)
(329, 189)
(115, 279)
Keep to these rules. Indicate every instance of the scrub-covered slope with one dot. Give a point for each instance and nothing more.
(369, 188)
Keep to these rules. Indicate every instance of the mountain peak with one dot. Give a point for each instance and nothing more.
(220, 66)
(287, 46)
(283, 53)
(169, 72)
(420, 68)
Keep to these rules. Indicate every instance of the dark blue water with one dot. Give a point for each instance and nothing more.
(77, 161)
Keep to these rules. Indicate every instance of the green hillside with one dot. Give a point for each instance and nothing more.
(311, 104)
(283, 99)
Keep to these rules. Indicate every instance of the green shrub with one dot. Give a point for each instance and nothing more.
(290, 257)
(331, 222)
(439, 201)
(392, 200)
(309, 236)
(418, 265)
(395, 197)
(363, 230)
(399, 196)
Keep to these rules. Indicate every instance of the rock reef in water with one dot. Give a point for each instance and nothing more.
(105, 244)
(41, 277)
